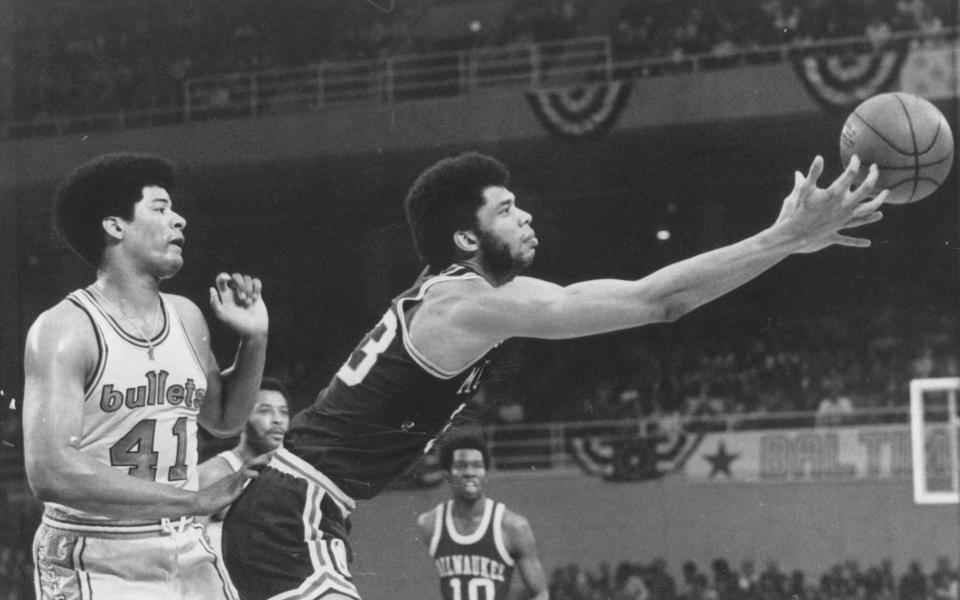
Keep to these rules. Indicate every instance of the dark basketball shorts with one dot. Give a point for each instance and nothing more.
(285, 537)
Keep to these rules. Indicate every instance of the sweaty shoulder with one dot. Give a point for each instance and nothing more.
(517, 532)
(440, 327)
(63, 333)
(444, 298)
(426, 522)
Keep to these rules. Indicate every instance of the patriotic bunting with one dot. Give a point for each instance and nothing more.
(581, 111)
(840, 82)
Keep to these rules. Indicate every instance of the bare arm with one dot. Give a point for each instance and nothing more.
(231, 393)
(60, 353)
(811, 218)
(425, 525)
(210, 471)
(523, 548)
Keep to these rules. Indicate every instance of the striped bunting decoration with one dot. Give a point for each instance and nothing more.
(581, 111)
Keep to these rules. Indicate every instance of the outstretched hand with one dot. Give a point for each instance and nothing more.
(237, 302)
(225, 490)
(816, 216)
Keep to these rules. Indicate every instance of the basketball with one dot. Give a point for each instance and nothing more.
(909, 140)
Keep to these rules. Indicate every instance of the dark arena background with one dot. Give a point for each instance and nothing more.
(763, 439)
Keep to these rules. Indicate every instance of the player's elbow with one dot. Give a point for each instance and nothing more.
(223, 429)
(660, 304)
(53, 470)
(674, 310)
(221, 424)
(46, 480)
(669, 310)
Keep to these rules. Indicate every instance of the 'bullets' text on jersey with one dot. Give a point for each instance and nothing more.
(140, 413)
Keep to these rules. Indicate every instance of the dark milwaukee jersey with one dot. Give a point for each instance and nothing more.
(386, 404)
(475, 566)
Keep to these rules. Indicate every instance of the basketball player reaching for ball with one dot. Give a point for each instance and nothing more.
(117, 377)
(477, 543)
(407, 380)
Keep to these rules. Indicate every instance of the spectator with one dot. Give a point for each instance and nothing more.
(772, 581)
(913, 585)
(943, 581)
(660, 584)
(749, 580)
(835, 406)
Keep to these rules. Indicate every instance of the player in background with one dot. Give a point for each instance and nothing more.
(263, 433)
(476, 543)
(118, 375)
(414, 372)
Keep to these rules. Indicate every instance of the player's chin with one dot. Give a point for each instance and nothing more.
(526, 257)
(170, 266)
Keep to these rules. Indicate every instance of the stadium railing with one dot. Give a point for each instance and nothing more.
(546, 446)
(419, 76)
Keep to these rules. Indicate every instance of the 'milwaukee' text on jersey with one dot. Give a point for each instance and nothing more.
(475, 564)
(386, 404)
(471, 565)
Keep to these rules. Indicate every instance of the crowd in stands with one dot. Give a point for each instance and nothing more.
(677, 29)
(828, 364)
(846, 581)
(74, 57)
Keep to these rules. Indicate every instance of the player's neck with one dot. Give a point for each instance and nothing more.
(493, 278)
(464, 508)
(246, 451)
(134, 293)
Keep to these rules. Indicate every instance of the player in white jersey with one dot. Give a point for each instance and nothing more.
(118, 375)
(263, 433)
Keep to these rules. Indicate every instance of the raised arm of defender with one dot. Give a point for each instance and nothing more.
(231, 392)
(478, 314)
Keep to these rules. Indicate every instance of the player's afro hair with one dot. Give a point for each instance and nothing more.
(108, 185)
(463, 442)
(272, 384)
(444, 199)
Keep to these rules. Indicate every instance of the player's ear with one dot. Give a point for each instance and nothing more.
(113, 226)
(466, 240)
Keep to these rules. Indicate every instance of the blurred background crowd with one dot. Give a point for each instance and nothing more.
(830, 364)
(750, 581)
(79, 58)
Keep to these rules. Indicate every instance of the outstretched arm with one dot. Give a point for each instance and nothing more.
(523, 548)
(811, 218)
(231, 393)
